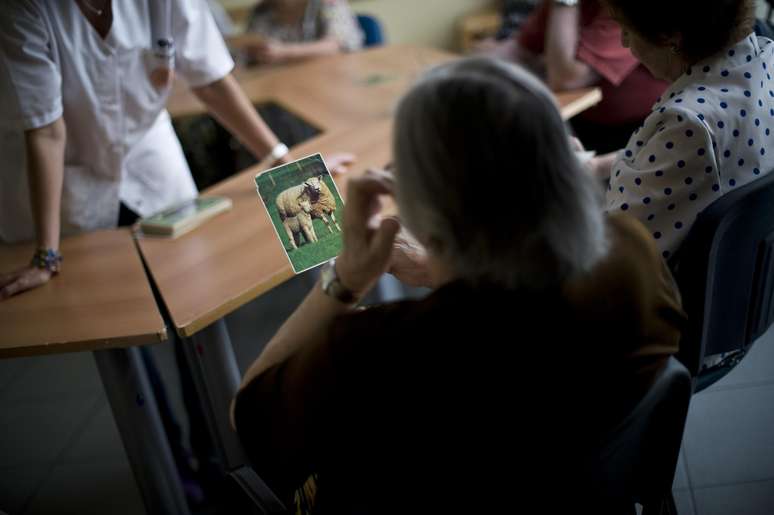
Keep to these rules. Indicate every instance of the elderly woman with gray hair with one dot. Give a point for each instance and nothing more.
(544, 313)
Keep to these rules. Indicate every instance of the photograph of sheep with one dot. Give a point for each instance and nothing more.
(305, 208)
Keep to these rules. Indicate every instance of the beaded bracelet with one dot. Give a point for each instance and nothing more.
(47, 259)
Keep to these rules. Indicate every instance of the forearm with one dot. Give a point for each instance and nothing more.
(311, 322)
(563, 70)
(45, 149)
(323, 47)
(226, 101)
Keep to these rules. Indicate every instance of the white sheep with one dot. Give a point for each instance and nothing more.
(297, 225)
(294, 208)
(325, 204)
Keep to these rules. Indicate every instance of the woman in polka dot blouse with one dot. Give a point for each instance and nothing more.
(711, 130)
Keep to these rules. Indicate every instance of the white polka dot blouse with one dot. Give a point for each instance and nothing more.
(710, 132)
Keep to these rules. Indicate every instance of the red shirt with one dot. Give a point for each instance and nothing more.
(628, 89)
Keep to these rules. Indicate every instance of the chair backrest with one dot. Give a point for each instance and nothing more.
(259, 497)
(372, 29)
(763, 27)
(637, 459)
(725, 271)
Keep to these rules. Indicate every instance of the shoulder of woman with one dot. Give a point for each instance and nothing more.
(670, 130)
(629, 237)
(628, 282)
(632, 260)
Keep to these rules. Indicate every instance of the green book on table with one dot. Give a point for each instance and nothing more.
(185, 216)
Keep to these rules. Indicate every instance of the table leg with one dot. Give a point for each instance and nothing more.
(216, 377)
(136, 414)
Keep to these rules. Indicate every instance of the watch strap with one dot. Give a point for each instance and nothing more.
(331, 284)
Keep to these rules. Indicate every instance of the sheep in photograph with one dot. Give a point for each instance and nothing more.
(324, 206)
(296, 226)
(294, 208)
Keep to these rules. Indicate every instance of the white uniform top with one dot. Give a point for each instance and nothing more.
(120, 142)
(711, 131)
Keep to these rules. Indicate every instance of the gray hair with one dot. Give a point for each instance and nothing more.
(485, 175)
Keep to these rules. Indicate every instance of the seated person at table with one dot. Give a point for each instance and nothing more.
(544, 312)
(711, 131)
(580, 46)
(292, 30)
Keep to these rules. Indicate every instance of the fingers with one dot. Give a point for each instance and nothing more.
(362, 191)
(13, 288)
(339, 163)
(576, 145)
(384, 237)
(25, 279)
(6, 279)
(17, 285)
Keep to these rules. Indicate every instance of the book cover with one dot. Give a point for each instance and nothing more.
(185, 216)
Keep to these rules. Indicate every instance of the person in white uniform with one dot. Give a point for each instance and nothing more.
(83, 128)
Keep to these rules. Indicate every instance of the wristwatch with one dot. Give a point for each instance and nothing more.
(566, 3)
(331, 285)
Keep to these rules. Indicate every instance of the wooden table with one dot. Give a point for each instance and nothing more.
(213, 270)
(232, 259)
(340, 91)
(235, 257)
(82, 309)
(102, 303)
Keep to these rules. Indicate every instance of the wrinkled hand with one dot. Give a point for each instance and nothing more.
(269, 51)
(596, 166)
(601, 166)
(576, 145)
(409, 261)
(368, 237)
(339, 163)
(21, 280)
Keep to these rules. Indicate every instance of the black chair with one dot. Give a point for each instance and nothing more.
(260, 499)
(725, 271)
(637, 460)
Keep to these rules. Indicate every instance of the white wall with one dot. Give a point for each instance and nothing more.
(763, 9)
(423, 22)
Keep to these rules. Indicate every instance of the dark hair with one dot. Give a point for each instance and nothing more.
(705, 26)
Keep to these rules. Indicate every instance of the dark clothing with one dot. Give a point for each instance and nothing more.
(514, 12)
(471, 399)
(126, 217)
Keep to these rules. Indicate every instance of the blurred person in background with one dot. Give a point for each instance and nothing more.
(283, 31)
(575, 44)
